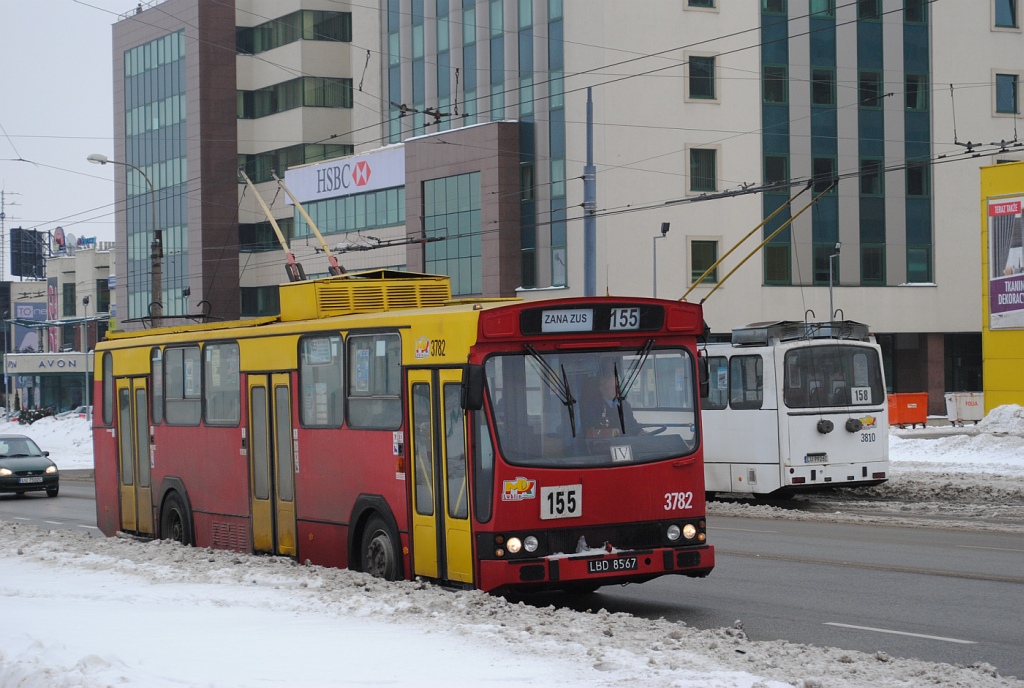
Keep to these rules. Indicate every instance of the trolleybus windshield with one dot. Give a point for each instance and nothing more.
(593, 408)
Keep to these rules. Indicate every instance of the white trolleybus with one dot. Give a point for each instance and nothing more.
(795, 407)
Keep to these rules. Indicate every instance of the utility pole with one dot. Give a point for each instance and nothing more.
(589, 208)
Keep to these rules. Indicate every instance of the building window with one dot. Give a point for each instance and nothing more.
(1006, 14)
(308, 25)
(776, 263)
(700, 3)
(259, 166)
(451, 215)
(915, 11)
(1006, 93)
(776, 84)
(870, 89)
(309, 91)
(918, 179)
(823, 8)
(774, 7)
(919, 261)
(868, 9)
(69, 305)
(870, 177)
(826, 267)
(823, 86)
(703, 255)
(917, 92)
(824, 170)
(702, 77)
(703, 169)
(776, 169)
(872, 265)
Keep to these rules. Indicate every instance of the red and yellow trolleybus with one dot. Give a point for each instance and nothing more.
(378, 425)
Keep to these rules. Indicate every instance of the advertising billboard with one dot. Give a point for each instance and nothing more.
(1006, 264)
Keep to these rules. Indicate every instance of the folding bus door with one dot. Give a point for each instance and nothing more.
(134, 456)
(442, 538)
(271, 464)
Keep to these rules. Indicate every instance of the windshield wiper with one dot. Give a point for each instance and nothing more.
(558, 385)
(622, 390)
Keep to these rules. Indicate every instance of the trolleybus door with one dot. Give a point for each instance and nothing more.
(442, 541)
(271, 464)
(134, 456)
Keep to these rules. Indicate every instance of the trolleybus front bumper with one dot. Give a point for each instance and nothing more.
(595, 570)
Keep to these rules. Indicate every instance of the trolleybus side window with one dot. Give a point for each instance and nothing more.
(746, 376)
(220, 384)
(718, 384)
(374, 381)
(424, 448)
(455, 452)
(182, 386)
(108, 389)
(156, 384)
(483, 468)
(320, 382)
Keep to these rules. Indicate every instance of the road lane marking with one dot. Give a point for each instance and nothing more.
(81, 525)
(913, 635)
(993, 549)
(744, 530)
(55, 523)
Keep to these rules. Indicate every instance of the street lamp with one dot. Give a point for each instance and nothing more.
(654, 272)
(831, 309)
(156, 308)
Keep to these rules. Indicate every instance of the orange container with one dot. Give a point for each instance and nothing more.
(908, 408)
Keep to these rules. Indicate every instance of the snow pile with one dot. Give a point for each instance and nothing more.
(157, 614)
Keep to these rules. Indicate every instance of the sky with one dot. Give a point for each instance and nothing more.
(72, 603)
(56, 108)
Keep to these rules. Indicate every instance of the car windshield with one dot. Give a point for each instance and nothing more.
(594, 408)
(18, 446)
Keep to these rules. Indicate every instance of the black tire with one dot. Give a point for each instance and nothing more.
(581, 588)
(379, 556)
(53, 491)
(174, 521)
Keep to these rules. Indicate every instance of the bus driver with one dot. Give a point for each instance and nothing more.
(604, 414)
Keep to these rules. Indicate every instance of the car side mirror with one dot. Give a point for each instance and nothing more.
(473, 388)
(704, 375)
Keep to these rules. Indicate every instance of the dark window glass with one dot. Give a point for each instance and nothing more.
(823, 8)
(221, 384)
(746, 382)
(872, 264)
(702, 77)
(871, 177)
(868, 9)
(870, 89)
(826, 263)
(703, 172)
(839, 375)
(260, 301)
(823, 87)
(718, 384)
(917, 92)
(915, 11)
(374, 381)
(776, 264)
(1006, 93)
(773, 7)
(824, 170)
(703, 255)
(1006, 13)
(919, 264)
(69, 305)
(918, 180)
(182, 385)
(321, 392)
(776, 169)
(108, 389)
(156, 383)
(455, 452)
(776, 84)
(700, 3)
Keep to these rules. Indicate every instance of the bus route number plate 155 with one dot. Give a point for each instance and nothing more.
(561, 501)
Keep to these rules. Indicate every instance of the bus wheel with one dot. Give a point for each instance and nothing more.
(378, 557)
(174, 521)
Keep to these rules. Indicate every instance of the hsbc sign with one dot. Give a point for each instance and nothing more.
(381, 169)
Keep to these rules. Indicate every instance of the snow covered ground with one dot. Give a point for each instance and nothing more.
(72, 607)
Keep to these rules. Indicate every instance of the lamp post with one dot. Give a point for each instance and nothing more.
(156, 308)
(831, 309)
(85, 349)
(654, 272)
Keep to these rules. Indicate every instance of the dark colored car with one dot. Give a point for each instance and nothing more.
(24, 467)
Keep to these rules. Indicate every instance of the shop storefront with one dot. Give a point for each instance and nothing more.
(60, 380)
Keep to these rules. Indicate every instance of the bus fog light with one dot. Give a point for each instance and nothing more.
(530, 543)
(673, 532)
(689, 531)
(513, 545)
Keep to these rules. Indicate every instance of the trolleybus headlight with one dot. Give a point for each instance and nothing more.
(689, 531)
(673, 532)
(513, 545)
(530, 543)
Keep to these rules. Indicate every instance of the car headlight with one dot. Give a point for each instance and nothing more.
(5, 471)
(673, 532)
(513, 545)
(689, 531)
(51, 469)
(530, 543)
